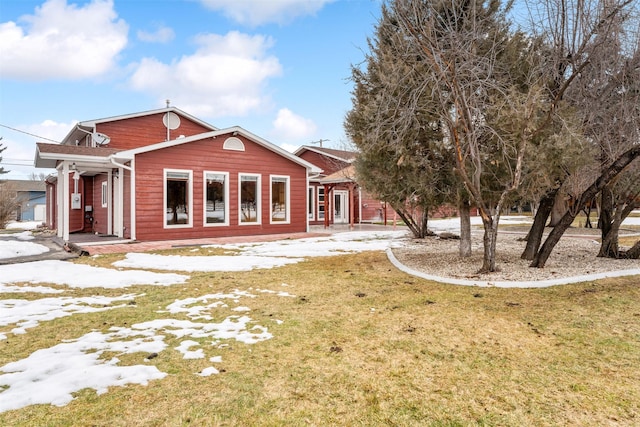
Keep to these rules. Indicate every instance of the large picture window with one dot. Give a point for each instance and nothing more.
(216, 196)
(249, 199)
(280, 199)
(177, 198)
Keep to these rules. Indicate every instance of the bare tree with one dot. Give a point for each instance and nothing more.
(9, 202)
(593, 65)
(484, 85)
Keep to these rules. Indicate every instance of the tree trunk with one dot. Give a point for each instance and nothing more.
(464, 209)
(559, 208)
(534, 237)
(606, 210)
(609, 245)
(489, 240)
(634, 252)
(607, 175)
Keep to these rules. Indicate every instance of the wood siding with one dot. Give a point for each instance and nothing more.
(141, 131)
(328, 165)
(208, 155)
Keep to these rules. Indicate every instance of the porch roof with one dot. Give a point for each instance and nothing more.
(345, 175)
(48, 155)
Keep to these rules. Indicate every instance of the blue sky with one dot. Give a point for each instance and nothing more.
(278, 68)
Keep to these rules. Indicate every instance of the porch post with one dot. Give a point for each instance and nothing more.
(132, 205)
(327, 205)
(120, 212)
(65, 201)
(59, 207)
(109, 202)
(351, 207)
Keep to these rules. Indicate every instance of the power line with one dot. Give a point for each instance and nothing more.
(27, 133)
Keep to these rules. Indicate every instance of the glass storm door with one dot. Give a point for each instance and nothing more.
(340, 207)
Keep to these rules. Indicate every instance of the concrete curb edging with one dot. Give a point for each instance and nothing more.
(505, 284)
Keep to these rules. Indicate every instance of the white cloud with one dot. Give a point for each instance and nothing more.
(290, 127)
(162, 34)
(259, 12)
(225, 75)
(62, 41)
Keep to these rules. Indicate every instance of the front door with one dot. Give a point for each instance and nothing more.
(340, 207)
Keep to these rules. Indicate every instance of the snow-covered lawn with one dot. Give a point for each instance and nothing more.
(52, 375)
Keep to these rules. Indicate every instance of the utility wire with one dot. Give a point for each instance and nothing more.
(27, 133)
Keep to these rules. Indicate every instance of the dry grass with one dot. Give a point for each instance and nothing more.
(363, 344)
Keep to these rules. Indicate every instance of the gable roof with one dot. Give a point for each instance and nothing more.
(130, 154)
(342, 155)
(81, 129)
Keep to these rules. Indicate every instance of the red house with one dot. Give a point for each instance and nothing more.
(334, 194)
(164, 175)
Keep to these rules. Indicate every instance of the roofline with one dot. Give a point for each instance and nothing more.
(324, 153)
(90, 125)
(130, 154)
(66, 157)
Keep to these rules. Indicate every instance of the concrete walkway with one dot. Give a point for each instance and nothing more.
(97, 247)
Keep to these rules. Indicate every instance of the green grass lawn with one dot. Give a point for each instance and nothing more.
(363, 344)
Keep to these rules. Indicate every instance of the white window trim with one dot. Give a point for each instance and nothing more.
(226, 199)
(105, 194)
(258, 198)
(164, 199)
(324, 203)
(311, 194)
(287, 219)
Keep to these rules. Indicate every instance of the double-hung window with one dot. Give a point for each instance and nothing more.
(249, 209)
(178, 200)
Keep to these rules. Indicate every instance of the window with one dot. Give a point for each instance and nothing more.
(177, 198)
(280, 199)
(249, 199)
(311, 214)
(233, 144)
(216, 195)
(105, 194)
(320, 203)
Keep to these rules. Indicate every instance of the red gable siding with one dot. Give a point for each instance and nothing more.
(329, 165)
(141, 131)
(208, 155)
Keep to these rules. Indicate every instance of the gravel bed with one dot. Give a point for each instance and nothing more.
(574, 255)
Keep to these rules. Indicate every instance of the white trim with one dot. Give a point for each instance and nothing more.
(258, 198)
(287, 219)
(132, 206)
(226, 199)
(189, 224)
(128, 154)
(65, 201)
(119, 214)
(110, 203)
(311, 197)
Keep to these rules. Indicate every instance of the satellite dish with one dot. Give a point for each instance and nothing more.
(171, 120)
(98, 139)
